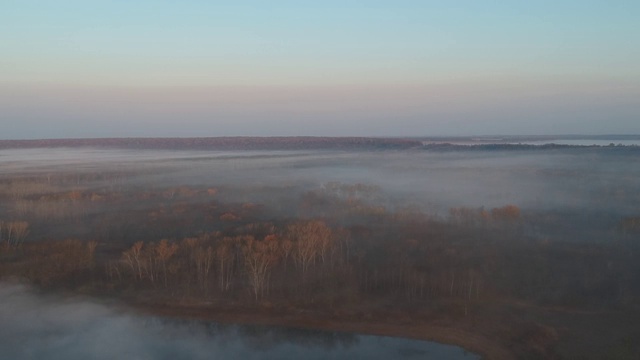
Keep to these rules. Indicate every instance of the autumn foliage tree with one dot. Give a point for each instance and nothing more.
(225, 257)
(310, 239)
(203, 258)
(60, 261)
(133, 258)
(164, 251)
(14, 232)
(259, 258)
(506, 213)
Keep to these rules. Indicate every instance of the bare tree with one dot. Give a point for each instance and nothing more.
(149, 262)
(16, 232)
(259, 257)
(286, 247)
(224, 255)
(133, 257)
(91, 250)
(308, 238)
(164, 252)
(203, 259)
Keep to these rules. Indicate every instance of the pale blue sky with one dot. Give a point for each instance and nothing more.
(207, 68)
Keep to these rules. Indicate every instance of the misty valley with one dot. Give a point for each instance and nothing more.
(506, 251)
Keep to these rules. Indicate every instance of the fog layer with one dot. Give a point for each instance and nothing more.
(434, 181)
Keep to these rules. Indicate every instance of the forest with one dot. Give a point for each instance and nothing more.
(248, 234)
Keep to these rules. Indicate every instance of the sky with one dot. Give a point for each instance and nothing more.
(147, 68)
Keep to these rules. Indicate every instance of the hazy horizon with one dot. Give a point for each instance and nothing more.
(457, 138)
(74, 69)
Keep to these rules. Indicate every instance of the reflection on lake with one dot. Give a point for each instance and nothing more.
(264, 342)
(33, 326)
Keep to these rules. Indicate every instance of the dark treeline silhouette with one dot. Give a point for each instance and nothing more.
(222, 143)
(314, 142)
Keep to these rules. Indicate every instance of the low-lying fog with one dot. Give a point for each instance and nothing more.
(590, 179)
(34, 326)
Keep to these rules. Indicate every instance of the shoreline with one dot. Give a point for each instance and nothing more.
(419, 330)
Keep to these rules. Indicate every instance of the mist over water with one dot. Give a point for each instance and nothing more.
(35, 326)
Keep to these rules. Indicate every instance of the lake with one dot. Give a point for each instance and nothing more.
(35, 326)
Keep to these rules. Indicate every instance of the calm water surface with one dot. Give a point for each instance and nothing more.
(35, 326)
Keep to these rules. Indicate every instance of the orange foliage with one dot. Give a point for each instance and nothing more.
(229, 217)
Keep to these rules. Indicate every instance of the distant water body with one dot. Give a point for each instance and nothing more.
(583, 142)
(33, 326)
(538, 142)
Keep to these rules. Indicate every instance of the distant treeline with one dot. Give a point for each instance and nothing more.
(223, 143)
(289, 143)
